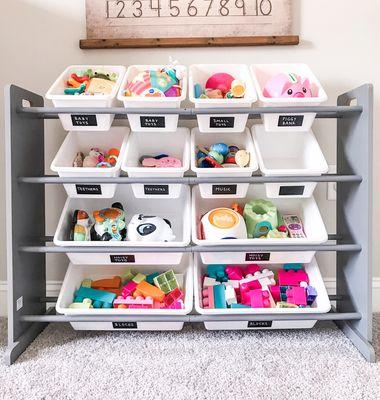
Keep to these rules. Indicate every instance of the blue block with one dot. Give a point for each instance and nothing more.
(150, 277)
(100, 298)
(293, 266)
(239, 306)
(311, 295)
(220, 296)
(217, 272)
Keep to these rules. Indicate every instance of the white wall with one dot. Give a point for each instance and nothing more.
(39, 38)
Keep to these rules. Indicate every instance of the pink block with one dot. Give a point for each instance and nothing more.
(208, 297)
(234, 272)
(128, 289)
(275, 292)
(139, 302)
(292, 278)
(177, 305)
(175, 295)
(296, 295)
(259, 298)
(251, 269)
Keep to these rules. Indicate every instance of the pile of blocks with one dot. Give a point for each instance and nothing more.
(131, 290)
(250, 286)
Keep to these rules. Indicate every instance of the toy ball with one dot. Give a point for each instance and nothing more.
(221, 81)
(113, 152)
(216, 156)
(221, 148)
(287, 85)
(144, 228)
(233, 149)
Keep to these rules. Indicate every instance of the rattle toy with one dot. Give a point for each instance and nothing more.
(287, 85)
(220, 85)
(220, 155)
(144, 228)
(160, 162)
(90, 82)
(109, 224)
(97, 158)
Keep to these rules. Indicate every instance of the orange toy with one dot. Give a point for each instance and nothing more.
(110, 283)
(146, 289)
(236, 207)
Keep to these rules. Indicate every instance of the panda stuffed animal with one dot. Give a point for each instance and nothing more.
(146, 228)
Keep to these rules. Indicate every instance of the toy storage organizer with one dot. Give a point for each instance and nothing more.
(27, 243)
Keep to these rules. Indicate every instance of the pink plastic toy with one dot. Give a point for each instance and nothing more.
(287, 85)
(139, 302)
(259, 298)
(164, 162)
(208, 297)
(234, 272)
(275, 292)
(128, 289)
(174, 296)
(221, 81)
(292, 278)
(251, 269)
(296, 295)
(177, 305)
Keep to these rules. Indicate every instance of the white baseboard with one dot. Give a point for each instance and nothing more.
(53, 288)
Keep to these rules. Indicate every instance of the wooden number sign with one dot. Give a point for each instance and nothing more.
(170, 23)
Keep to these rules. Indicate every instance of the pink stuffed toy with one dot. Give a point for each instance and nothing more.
(287, 85)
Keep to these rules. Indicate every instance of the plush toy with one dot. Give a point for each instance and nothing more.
(109, 224)
(287, 85)
(145, 228)
(80, 228)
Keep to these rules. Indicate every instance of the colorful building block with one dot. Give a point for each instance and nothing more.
(217, 272)
(209, 282)
(105, 284)
(86, 283)
(292, 266)
(260, 298)
(230, 295)
(311, 295)
(234, 272)
(131, 302)
(147, 290)
(251, 269)
(129, 289)
(275, 292)
(150, 277)
(238, 305)
(177, 305)
(292, 278)
(220, 296)
(139, 278)
(233, 283)
(296, 295)
(127, 276)
(166, 281)
(284, 304)
(85, 304)
(175, 295)
(100, 298)
(208, 297)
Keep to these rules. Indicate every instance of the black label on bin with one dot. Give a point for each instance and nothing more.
(222, 122)
(290, 120)
(147, 121)
(84, 120)
(224, 189)
(124, 325)
(291, 190)
(257, 256)
(259, 324)
(156, 189)
(88, 189)
(122, 258)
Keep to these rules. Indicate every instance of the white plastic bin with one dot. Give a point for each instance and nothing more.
(175, 144)
(305, 208)
(281, 122)
(83, 141)
(76, 273)
(243, 141)
(199, 73)
(151, 122)
(321, 305)
(97, 122)
(177, 211)
(294, 153)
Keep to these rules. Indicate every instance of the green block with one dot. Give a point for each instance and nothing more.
(166, 281)
(87, 282)
(127, 276)
(139, 278)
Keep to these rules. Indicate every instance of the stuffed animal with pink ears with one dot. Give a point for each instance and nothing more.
(287, 85)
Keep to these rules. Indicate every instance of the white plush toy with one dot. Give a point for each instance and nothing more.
(145, 228)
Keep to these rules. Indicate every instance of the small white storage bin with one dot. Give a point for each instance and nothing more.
(76, 273)
(292, 153)
(305, 208)
(83, 141)
(321, 305)
(199, 73)
(243, 141)
(151, 122)
(97, 122)
(175, 144)
(281, 122)
(177, 211)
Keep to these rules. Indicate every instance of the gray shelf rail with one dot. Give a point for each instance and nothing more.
(27, 243)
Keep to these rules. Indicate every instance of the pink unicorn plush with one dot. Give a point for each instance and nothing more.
(287, 85)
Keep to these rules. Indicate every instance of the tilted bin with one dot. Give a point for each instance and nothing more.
(288, 154)
(77, 273)
(76, 141)
(320, 305)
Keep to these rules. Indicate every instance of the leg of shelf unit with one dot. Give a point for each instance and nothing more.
(354, 218)
(25, 219)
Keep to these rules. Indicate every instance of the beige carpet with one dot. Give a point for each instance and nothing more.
(192, 364)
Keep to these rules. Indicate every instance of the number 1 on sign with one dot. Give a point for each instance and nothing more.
(158, 8)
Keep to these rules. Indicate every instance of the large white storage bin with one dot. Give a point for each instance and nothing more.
(82, 141)
(199, 73)
(97, 122)
(291, 153)
(177, 211)
(243, 141)
(306, 208)
(76, 273)
(175, 144)
(281, 122)
(151, 122)
(321, 304)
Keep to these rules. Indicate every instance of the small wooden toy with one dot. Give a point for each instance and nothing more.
(100, 298)
(147, 290)
(166, 281)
